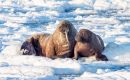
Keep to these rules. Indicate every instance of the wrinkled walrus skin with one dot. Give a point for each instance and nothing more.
(89, 44)
(63, 40)
(59, 44)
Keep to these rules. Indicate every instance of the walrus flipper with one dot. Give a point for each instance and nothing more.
(101, 57)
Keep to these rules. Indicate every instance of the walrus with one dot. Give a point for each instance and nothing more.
(59, 44)
(89, 44)
(62, 41)
(32, 46)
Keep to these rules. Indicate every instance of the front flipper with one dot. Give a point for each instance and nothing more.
(76, 55)
(101, 57)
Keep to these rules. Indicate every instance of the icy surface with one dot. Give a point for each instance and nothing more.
(19, 19)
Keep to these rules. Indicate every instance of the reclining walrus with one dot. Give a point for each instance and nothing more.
(89, 44)
(59, 44)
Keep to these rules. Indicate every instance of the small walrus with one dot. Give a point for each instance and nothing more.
(59, 44)
(89, 44)
(33, 45)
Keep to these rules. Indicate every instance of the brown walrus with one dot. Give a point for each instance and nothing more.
(59, 44)
(64, 39)
(89, 44)
(32, 46)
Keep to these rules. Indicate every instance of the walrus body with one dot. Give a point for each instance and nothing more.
(62, 41)
(59, 44)
(35, 45)
(89, 44)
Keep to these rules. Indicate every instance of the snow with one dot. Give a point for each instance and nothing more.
(118, 52)
(19, 19)
(110, 4)
(101, 5)
(117, 75)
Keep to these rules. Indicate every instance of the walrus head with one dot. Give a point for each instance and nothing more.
(83, 35)
(65, 27)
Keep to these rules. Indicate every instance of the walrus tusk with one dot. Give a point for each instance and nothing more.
(66, 35)
(60, 37)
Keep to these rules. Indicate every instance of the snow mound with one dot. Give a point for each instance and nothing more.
(118, 52)
(60, 66)
(11, 50)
